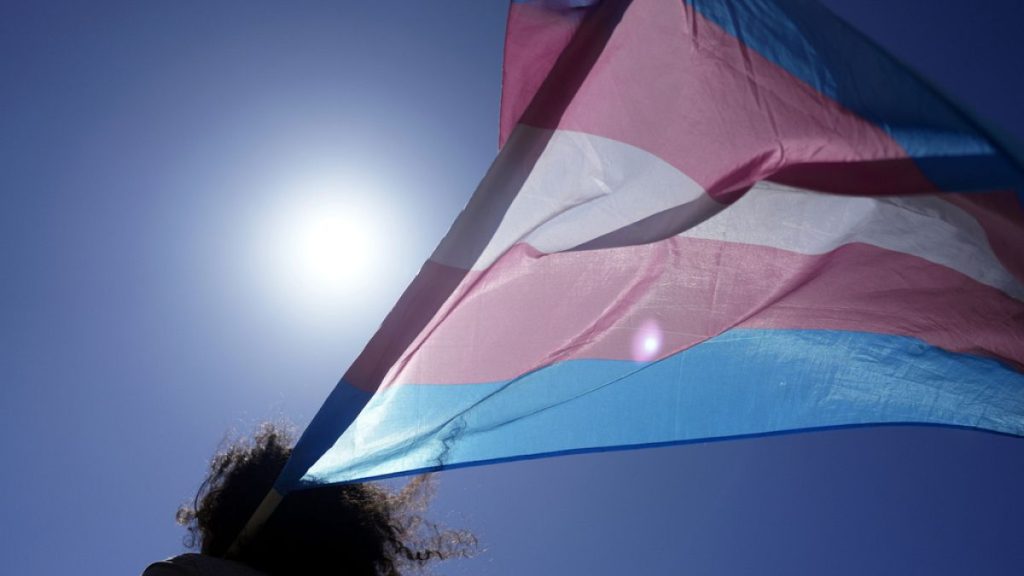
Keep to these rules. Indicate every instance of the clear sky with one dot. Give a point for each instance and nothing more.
(161, 162)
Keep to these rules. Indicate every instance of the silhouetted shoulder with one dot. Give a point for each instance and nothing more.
(199, 565)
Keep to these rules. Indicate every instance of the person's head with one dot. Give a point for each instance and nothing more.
(350, 530)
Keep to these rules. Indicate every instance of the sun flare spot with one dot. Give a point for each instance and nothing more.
(647, 341)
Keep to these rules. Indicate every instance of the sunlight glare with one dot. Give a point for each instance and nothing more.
(647, 341)
(328, 247)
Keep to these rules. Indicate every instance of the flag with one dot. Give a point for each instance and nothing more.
(707, 219)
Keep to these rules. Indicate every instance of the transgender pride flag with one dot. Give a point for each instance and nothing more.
(708, 219)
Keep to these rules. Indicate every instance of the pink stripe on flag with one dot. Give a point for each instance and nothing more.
(530, 309)
(675, 84)
(421, 304)
(534, 39)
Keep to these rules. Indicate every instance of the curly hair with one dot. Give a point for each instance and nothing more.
(350, 529)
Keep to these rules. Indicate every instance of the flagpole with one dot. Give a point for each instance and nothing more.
(256, 521)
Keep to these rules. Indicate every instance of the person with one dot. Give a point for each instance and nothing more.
(340, 530)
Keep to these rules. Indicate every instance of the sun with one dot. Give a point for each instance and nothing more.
(327, 247)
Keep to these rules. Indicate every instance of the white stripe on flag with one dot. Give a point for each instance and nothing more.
(557, 190)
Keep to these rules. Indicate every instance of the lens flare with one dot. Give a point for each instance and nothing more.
(647, 341)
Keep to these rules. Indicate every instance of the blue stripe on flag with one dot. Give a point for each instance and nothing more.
(741, 383)
(338, 411)
(807, 40)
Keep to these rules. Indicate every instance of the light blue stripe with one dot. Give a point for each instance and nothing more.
(744, 382)
(808, 41)
(340, 409)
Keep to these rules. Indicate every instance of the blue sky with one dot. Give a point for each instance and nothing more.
(147, 153)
